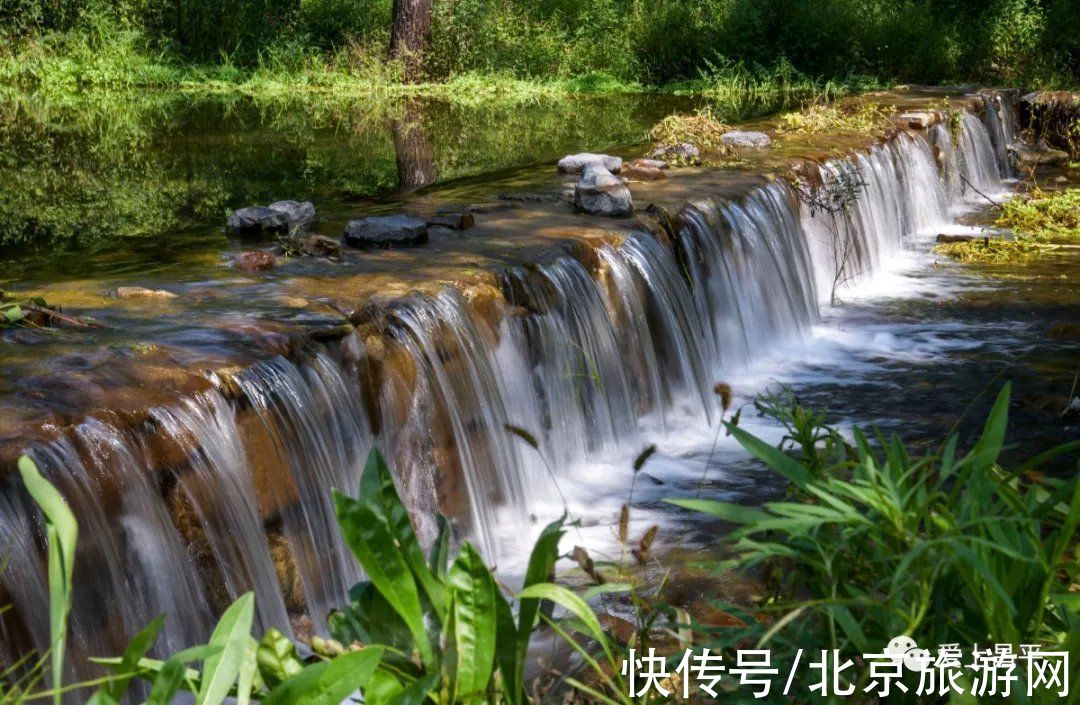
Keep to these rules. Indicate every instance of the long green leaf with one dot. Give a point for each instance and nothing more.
(137, 648)
(63, 533)
(735, 513)
(474, 606)
(987, 450)
(576, 606)
(771, 456)
(328, 682)
(378, 490)
(231, 634)
(372, 542)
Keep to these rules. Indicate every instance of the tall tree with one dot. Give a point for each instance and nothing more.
(409, 35)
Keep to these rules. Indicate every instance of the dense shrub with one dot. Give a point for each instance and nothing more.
(1014, 41)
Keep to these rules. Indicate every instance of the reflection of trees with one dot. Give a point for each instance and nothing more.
(415, 152)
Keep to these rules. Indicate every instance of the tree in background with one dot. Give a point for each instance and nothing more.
(409, 36)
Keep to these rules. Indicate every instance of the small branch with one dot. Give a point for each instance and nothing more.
(964, 179)
(62, 317)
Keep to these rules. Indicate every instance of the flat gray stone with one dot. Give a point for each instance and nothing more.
(683, 151)
(299, 214)
(745, 140)
(918, 120)
(386, 231)
(1040, 155)
(256, 220)
(599, 192)
(578, 163)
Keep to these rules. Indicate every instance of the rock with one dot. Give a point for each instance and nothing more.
(386, 231)
(299, 214)
(650, 163)
(599, 192)
(1026, 156)
(683, 151)
(320, 246)
(944, 238)
(137, 292)
(454, 221)
(741, 139)
(918, 120)
(254, 261)
(643, 173)
(578, 163)
(256, 220)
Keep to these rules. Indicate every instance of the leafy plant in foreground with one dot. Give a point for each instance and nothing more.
(450, 633)
(945, 548)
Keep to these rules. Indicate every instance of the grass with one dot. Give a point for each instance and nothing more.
(836, 118)
(875, 540)
(993, 251)
(1044, 216)
(701, 129)
(1042, 221)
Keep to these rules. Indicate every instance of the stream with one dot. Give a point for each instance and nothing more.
(197, 436)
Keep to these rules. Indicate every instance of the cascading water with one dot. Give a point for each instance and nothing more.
(1000, 119)
(589, 355)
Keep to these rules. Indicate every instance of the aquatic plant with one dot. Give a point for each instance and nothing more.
(837, 118)
(875, 541)
(1043, 215)
(701, 128)
(994, 251)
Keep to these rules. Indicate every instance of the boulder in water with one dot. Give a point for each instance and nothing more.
(683, 151)
(254, 261)
(1026, 157)
(599, 192)
(320, 246)
(299, 215)
(643, 173)
(741, 139)
(257, 220)
(916, 119)
(454, 221)
(650, 163)
(141, 292)
(386, 231)
(578, 163)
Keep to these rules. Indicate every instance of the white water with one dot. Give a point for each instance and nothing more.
(602, 363)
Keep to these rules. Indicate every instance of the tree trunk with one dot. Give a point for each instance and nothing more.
(409, 35)
(415, 152)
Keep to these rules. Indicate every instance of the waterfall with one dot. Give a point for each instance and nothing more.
(978, 162)
(590, 353)
(1000, 120)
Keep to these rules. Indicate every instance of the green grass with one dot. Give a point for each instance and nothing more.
(1044, 216)
(875, 539)
(1042, 222)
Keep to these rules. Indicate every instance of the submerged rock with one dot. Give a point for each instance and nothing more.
(1026, 156)
(256, 220)
(454, 221)
(578, 163)
(683, 151)
(299, 215)
(254, 261)
(745, 140)
(918, 120)
(650, 163)
(320, 246)
(141, 292)
(599, 192)
(643, 173)
(386, 231)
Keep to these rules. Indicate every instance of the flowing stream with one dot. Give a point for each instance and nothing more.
(594, 361)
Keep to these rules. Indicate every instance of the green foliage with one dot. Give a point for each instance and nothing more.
(836, 118)
(447, 624)
(1044, 215)
(875, 541)
(313, 42)
(62, 533)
